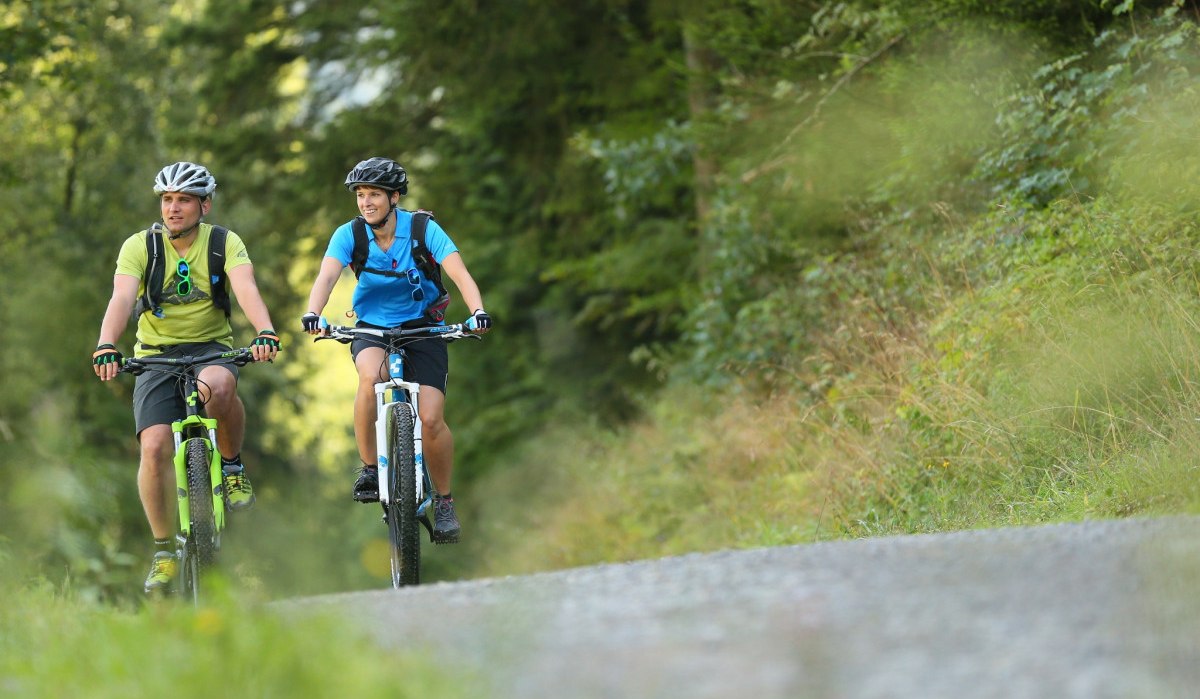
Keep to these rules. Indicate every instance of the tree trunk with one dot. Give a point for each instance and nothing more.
(702, 65)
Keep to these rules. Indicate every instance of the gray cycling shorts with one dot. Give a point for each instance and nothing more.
(157, 395)
(426, 362)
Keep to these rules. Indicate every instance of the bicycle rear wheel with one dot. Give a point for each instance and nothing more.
(402, 521)
(200, 551)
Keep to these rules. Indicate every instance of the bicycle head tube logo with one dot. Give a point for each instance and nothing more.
(395, 365)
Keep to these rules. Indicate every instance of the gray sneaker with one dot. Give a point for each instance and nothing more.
(445, 523)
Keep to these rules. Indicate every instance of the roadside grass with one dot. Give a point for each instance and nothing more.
(1061, 388)
(53, 644)
(1056, 380)
(698, 473)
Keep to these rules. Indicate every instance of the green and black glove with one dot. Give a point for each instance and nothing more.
(266, 338)
(106, 354)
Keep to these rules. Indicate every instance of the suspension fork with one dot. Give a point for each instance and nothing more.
(401, 392)
(192, 425)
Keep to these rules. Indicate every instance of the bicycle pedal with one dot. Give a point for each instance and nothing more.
(428, 526)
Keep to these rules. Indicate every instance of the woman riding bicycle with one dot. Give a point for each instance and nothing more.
(183, 319)
(393, 291)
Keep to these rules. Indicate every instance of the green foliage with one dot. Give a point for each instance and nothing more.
(52, 644)
(938, 364)
(868, 229)
(1056, 381)
(700, 474)
(1102, 119)
(1078, 375)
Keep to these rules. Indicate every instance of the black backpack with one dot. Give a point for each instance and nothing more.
(151, 299)
(436, 311)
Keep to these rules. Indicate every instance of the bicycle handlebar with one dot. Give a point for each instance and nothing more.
(136, 365)
(347, 333)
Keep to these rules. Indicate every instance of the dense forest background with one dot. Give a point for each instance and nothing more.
(763, 271)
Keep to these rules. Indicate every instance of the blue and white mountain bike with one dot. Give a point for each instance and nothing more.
(405, 489)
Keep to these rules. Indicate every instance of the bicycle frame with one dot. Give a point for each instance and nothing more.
(195, 425)
(408, 394)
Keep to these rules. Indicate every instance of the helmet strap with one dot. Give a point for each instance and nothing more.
(381, 224)
(177, 236)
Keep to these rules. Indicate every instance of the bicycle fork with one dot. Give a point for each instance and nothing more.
(193, 424)
(398, 388)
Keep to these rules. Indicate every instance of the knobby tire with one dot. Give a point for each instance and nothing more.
(403, 525)
(202, 543)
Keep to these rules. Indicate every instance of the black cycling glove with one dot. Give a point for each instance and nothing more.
(311, 322)
(106, 354)
(266, 338)
(479, 320)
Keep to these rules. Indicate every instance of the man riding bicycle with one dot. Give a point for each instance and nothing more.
(187, 313)
(395, 288)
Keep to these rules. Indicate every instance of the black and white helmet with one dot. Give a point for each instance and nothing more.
(185, 177)
(383, 173)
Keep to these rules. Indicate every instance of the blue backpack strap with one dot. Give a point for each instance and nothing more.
(216, 269)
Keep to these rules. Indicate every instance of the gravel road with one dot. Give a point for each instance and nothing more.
(1097, 609)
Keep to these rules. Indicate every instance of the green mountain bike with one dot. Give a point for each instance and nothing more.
(199, 481)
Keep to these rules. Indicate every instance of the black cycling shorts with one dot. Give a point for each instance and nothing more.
(157, 395)
(426, 362)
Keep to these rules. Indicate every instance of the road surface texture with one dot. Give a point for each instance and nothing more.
(1097, 609)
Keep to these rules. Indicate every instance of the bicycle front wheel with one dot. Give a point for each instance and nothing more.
(402, 498)
(189, 576)
(202, 540)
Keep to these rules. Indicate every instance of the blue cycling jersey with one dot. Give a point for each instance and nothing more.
(384, 300)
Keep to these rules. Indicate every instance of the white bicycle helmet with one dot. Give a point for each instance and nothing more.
(185, 177)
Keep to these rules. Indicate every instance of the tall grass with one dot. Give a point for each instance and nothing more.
(1044, 366)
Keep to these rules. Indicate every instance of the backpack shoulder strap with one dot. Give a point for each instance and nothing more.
(151, 299)
(216, 269)
(421, 253)
(428, 265)
(420, 220)
(358, 257)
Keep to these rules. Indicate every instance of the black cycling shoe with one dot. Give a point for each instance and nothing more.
(446, 528)
(366, 487)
